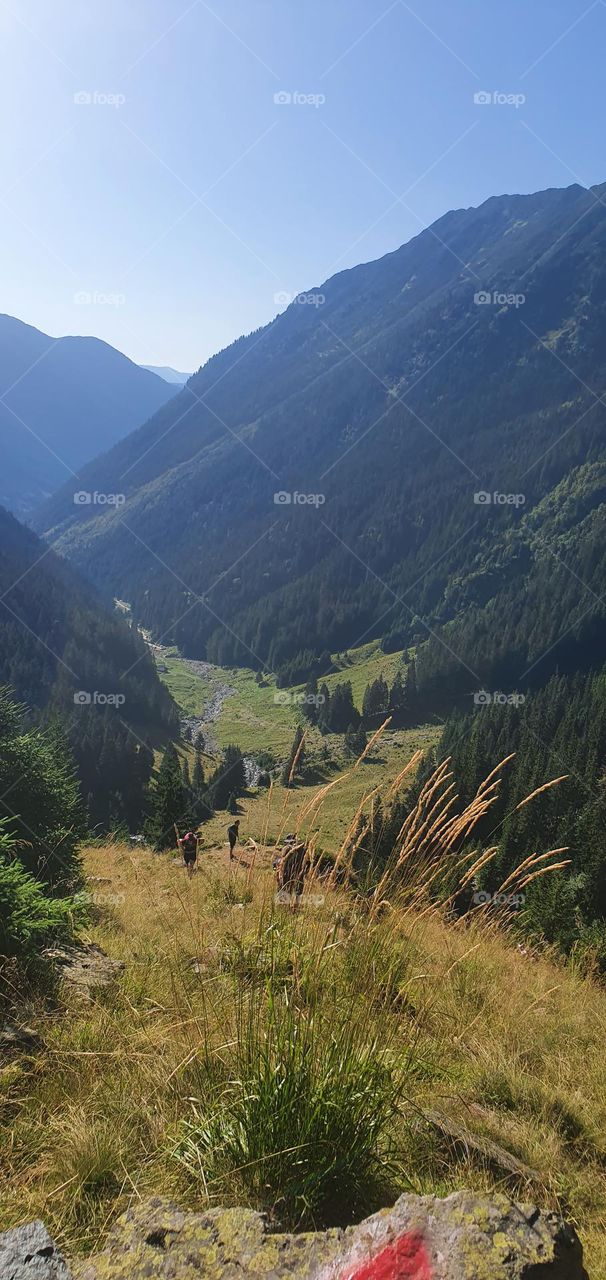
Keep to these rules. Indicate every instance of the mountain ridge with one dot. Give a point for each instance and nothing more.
(397, 390)
(167, 373)
(49, 388)
(67, 658)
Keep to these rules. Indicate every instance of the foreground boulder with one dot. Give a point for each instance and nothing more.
(28, 1253)
(85, 967)
(465, 1237)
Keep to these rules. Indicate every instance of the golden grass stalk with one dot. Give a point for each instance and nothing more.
(376, 737)
(539, 790)
(429, 848)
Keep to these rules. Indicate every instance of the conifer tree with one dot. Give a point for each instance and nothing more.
(376, 700)
(311, 706)
(412, 693)
(197, 778)
(397, 697)
(40, 798)
(169, 802)
(355, 740)
(230, 776)
(342, 711)
(323, 721)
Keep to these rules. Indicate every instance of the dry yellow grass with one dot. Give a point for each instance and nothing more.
(506, 1042)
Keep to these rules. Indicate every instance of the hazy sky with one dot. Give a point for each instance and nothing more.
(169, 209)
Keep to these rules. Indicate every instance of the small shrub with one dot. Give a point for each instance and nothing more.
(40, 798)
(29, 920)
(300, 1122)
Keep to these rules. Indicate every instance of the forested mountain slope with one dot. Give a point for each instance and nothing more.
(395, 394)
(62, 401)
(65, 656)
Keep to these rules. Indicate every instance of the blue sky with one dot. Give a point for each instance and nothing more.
(169, 209)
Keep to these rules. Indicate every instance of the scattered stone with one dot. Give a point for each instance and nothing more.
(252, 771)
(28, 1253)
(15, 1039)
(205, 962)
(86, 967)
(465, 1237)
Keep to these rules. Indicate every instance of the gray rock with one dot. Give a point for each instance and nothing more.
(465, 1237)
(85, 967)
(18, 1039)
(28, 1253)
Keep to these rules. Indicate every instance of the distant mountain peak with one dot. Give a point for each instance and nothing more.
(64, 400)
(168, 374)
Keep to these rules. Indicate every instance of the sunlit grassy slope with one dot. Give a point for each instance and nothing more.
(173, 1080)
(510, 1045)
(266, 818)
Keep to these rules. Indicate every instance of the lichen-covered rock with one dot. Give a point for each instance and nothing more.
(85, 967)
(465, 1237)
(28, 1253)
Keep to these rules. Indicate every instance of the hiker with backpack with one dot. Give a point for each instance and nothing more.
(188, 845)
(232, 836)
(291, 867)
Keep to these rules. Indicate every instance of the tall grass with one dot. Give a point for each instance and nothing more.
(299, 1119)
(299, 1112)
(285, 1060)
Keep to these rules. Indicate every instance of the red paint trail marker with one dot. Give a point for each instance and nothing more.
(405, 1259)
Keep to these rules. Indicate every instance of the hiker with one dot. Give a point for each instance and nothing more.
(189, 849)
(291, 868)
(232, 836)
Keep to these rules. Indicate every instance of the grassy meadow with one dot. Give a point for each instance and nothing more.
(295, 1061)
(287, 1059)
(253, 717)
